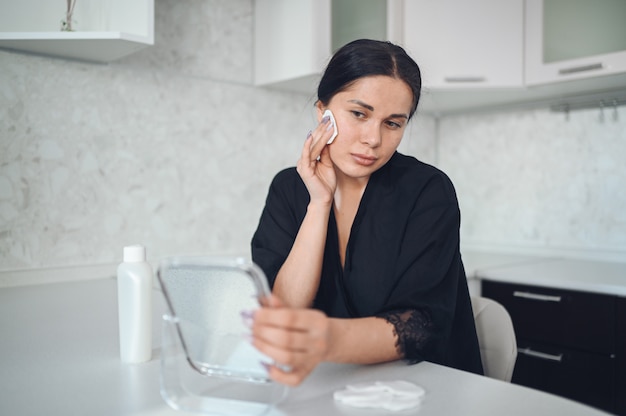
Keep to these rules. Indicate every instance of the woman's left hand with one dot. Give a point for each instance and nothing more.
(296, 339)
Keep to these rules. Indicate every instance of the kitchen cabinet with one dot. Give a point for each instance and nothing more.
(103, 30)
(573, 39)
(473, 44)
(568, 340)
(474, 54)
(621, 358)
(293, 40)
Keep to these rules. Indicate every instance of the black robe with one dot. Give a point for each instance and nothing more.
(402, 260)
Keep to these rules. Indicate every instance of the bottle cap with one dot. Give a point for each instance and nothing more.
(134, 254)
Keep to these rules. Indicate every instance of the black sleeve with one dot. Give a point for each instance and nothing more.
(423, 304)
(280, 221)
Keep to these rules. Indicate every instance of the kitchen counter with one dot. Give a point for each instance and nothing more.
(477, 261)
(59, 350)
(584, 275)
(570, 319)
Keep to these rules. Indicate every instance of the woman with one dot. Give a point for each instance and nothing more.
(360, 243)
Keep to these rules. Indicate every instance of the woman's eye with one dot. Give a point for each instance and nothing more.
(394, 125)
(358, 114)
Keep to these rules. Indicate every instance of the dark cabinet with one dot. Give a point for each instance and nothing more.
(569, 342)
(621, 357)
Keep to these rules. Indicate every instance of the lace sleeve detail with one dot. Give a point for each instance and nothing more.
(413, 332)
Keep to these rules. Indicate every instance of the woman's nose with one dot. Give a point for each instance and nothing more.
(372, 135)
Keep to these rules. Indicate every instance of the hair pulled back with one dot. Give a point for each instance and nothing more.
(366, 57)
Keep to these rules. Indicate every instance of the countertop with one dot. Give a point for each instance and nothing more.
(584, 275)
(59, 350)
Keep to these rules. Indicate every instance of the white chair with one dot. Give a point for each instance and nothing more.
(496, 338)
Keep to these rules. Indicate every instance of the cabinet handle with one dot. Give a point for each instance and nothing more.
(542, 355)
(465, 79)
(536, 296)
(583, 68)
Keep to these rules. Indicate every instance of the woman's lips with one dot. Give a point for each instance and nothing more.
(364, 160)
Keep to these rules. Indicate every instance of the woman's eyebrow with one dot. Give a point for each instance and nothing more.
(362, 104)
(369, 107)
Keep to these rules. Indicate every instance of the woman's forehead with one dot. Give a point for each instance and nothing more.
(378, 91)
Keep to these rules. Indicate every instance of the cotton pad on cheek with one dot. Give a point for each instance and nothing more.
(334, 124)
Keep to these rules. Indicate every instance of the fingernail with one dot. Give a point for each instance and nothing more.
(309, 134)
(325, 119)
(330, 126)
(265, 365)
(247, 317)
(284, 367)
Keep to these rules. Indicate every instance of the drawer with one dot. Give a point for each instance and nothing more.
(578, 320)
(585, 377)
(621, 356)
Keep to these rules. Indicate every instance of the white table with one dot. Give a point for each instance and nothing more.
(59, 349)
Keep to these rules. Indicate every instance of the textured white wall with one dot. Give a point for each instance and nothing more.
(172, 147)
(534, 181)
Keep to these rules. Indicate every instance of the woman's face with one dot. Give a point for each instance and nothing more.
(371, 117)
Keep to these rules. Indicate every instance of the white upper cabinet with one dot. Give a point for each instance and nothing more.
(474, 54)
(466, 44)
(103, 30)
(574, 39)
(295, 39)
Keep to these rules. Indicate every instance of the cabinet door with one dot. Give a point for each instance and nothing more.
(294, 40)
(291, 42)
(574, 39)
(585, 377)
(577, 320)
(621, 357)
(463, 44)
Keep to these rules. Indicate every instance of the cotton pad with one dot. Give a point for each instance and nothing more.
(334, 124)
(388, 395)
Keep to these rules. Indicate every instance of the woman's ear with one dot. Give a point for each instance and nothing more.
(320, 110)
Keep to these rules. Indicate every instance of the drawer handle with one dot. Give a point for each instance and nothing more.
(573, 70)
(542, 355)
(469, 79)
(536, 296)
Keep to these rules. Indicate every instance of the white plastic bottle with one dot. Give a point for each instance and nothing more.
(134, 297)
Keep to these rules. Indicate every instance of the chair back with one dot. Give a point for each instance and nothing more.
(496, 338)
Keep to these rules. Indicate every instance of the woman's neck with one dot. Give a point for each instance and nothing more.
(346, 203)
(347, 185)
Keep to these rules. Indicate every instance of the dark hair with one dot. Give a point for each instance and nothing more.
(366, 57)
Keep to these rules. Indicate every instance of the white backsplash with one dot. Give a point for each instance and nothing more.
(174, 148)
(539, 182)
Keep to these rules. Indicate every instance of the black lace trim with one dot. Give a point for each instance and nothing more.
(413, 331)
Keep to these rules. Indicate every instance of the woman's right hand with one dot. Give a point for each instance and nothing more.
(315, 166)
(296, 339)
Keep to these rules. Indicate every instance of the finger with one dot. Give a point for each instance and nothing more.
(287, 358)
(279, 339)
(321, 135)
(302, 320)
(306, 149)
(290, 378)
(325, 156)
(271, 301)
(294, 341)
(289, 369)
(275, 302)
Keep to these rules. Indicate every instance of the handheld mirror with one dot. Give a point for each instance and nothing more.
(206, 357)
